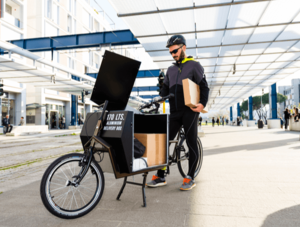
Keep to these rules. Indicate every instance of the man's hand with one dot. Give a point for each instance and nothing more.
(199, 107)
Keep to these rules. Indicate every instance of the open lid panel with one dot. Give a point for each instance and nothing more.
(115, 80)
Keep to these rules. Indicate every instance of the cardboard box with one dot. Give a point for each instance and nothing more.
(191, 92)
(156, 145)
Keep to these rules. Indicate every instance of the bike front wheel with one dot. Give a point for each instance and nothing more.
(183, 163)
(61, 196)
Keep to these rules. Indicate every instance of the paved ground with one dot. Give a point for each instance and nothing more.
(249, 177)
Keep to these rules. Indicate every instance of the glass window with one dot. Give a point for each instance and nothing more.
(74, 26)
(57, 17)
(8, 107)
(74, 7)
(70, 5)
(97, 26)
(69, 23)
(48, 6)
(91, 22)
(97, 60)
(8, 9)
(85, 18)
(91, 57)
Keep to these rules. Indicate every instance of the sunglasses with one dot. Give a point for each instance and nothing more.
(175, 51)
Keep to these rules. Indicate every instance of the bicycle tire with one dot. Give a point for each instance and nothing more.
(50, 201)
(199, 163)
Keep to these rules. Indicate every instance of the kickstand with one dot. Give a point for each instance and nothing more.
(134, 183)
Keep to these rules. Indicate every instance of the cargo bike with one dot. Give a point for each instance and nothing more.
(73, 184)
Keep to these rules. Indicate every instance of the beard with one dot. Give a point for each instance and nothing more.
(181, 56)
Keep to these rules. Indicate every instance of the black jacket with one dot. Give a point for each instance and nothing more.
(5, 121)
(188, 68)
(286, 115)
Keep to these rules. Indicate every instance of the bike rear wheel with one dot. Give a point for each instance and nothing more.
(64, 199)
(183, 165)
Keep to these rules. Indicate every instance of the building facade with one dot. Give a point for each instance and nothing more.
(13, 18)
(48, 18)
(293, 95)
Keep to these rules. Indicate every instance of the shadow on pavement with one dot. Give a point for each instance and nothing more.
(288, 217)
(250, 147)
(239, 131)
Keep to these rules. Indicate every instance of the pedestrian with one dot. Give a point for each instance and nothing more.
(22, 122)
(206, 122)
(213, 122)
(200, 121)
(287, 116)
(223, 121)
(296, 115)
(218, 121)
(6, 123)
(63, 122)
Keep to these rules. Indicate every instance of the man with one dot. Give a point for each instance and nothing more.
(63, 122)
(22, 122)
(213, 122)
(200, 121)
(184, 67)
(6, 123)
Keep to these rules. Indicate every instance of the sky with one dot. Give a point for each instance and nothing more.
(146, 60)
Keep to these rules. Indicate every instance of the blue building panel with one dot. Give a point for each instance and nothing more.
(238, 110)
(273, 101)
(114, 38)
(138, 89)
(250, 108)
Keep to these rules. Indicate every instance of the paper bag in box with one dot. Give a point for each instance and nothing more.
(191, 92)
(155, 147)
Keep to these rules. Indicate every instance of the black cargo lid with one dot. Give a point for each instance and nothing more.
(115, 80)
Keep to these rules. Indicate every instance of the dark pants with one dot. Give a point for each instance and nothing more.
(63, 125)
(7, 129)
(286, 123)
(188, 119)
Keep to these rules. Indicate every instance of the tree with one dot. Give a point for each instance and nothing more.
(244, 109)
(261, 109)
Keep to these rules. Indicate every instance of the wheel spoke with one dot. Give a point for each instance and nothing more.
(61, 196)
(86, 178)
(64, 173)
(55, 183)
(58, 189)
(65, 198)
(81, 196)
(71, 201)
(86, 188)
(70, 170)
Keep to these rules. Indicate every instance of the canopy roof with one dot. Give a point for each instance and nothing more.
(260, 37)
(51, 76)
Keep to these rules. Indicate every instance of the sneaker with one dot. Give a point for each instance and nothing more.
(157, 182)
(187, 184)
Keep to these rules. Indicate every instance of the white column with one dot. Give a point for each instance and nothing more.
(40, 112)
(68, 113)
(88, 108)
(20, 105)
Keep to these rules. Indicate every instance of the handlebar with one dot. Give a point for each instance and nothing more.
(157, 101)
